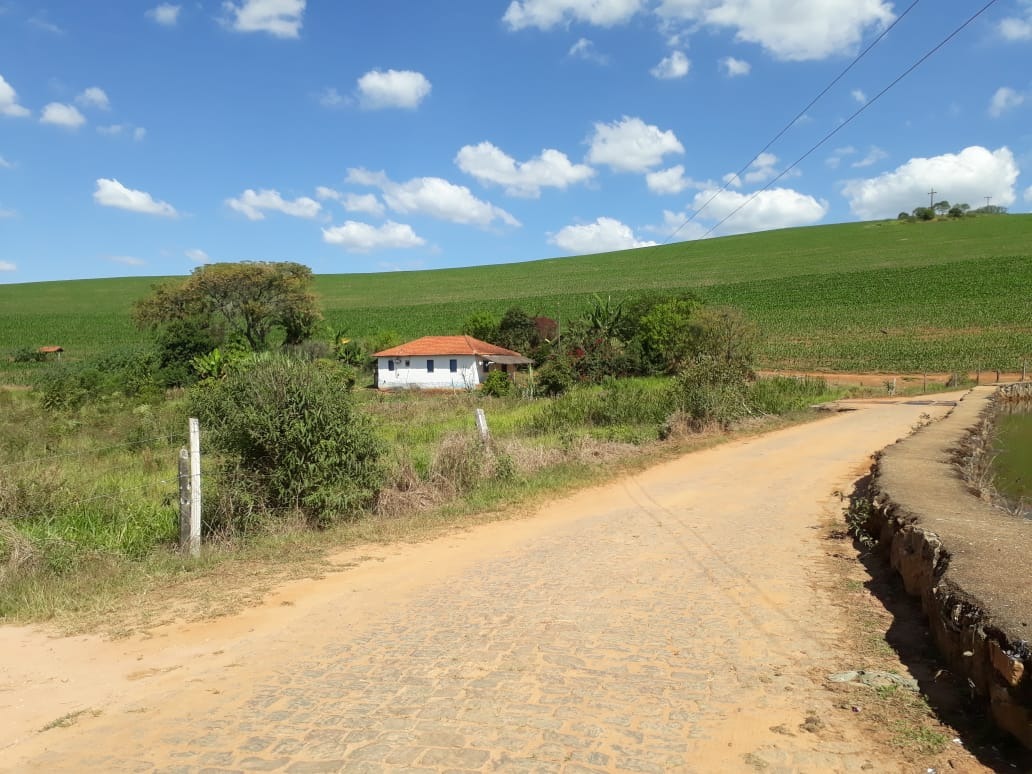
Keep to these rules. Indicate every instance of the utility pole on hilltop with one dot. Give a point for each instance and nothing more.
(931, 198)
(987, 200)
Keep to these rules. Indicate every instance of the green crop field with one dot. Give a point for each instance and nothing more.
(876, 296)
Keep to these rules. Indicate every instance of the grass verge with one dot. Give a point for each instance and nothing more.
(120, 597)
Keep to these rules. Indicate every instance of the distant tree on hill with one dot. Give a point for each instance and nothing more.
(991, 209)
(924, 213)
(941, 208)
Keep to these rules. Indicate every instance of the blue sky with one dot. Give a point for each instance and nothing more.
(144, 138)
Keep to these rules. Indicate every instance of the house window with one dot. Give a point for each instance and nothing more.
(453, 365)
(390, 365)
(429, 366)
(407, 364)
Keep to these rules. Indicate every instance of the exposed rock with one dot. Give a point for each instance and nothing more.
(965, 559)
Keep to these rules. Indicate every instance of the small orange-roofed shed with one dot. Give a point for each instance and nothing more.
(51, 349)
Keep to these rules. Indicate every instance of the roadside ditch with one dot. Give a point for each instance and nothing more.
(965, 558)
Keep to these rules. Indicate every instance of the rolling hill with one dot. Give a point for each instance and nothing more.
(883, 295)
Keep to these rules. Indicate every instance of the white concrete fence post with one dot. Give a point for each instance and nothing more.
(195, 488)
(485, 434)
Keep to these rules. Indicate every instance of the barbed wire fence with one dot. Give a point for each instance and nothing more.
(185, 478)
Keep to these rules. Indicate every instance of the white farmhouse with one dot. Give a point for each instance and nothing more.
(442, 363)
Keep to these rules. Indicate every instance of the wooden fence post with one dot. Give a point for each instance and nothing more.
(195, 488)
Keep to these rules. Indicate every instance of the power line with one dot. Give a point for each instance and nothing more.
(791, 123)
(849, 120)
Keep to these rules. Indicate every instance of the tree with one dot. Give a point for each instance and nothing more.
(516, 330)
(668, 332)
(726, 335)
(941, 208)
(244, 302)
(481, 325)
(924, 213)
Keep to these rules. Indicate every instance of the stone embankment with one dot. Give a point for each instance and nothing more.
(967, 560)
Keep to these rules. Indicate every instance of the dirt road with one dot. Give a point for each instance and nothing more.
(675, 620)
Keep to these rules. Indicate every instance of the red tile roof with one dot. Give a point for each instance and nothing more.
(445, 345)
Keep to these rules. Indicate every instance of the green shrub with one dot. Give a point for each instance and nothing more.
(27, 355)
(711, 391)
(556, 376)
(292, 439)
(130, 373)
(496, 384)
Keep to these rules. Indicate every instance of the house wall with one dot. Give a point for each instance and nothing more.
(470, 373)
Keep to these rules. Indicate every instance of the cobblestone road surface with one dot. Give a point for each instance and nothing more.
(669, 621)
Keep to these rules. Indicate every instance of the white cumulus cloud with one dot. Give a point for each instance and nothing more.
(677, 225)
(5, 164)
(93, 97)
(280, 18)
(324, 192)
(197, 255)
(7, 266)
(545, 14)
(734, 68)
(1018, 28)
(874, 155)
(1003, 100)
(773, 208)
(331, 98)
(1028, 194)
(968, 176)
(585, 49)
(111, 193)
(358, 237)
(9, 101)
(433, 196)
(631, 145)
(859, 96)
(254, 204)
(165, 14)
(794, 30)
(676, 65)
(392, 89)
(762, 169)
(367, 203)
(59, 114)
(669, 181)
(602, 236)
(117, 130)
(549, 169)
